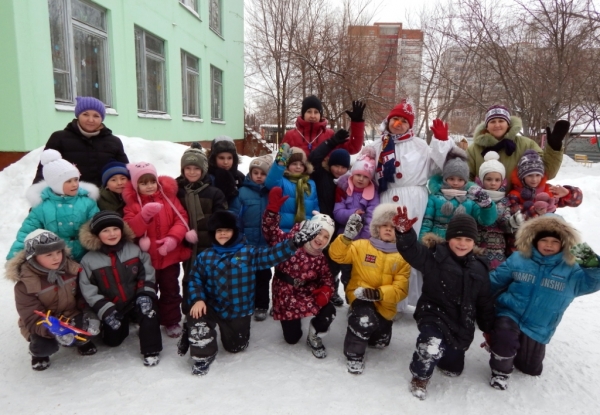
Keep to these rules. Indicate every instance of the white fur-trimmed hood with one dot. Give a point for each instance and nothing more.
(34, 192)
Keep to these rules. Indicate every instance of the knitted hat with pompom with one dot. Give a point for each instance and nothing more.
(56, 170)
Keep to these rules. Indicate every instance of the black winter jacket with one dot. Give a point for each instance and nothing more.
(454, 295)
(326, 187)
(88, 154)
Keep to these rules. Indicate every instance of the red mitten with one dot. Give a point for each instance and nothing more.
(486, 344)
(168, 244)
(440, 130)
(401, 221)
(276, 200)
(322, 295)
(149, 210)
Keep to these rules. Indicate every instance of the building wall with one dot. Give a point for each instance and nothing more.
(28, 114)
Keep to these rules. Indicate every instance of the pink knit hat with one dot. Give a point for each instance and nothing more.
(365, 165)
(137, 170)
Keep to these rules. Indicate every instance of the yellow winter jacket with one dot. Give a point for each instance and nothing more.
(372, 268)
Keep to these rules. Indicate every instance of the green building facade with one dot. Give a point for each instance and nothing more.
(166, 69)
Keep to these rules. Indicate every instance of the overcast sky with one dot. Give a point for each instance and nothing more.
(395, 10)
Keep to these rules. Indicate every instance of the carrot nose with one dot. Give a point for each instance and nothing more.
(397, 123)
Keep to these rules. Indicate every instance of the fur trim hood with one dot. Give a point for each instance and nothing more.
(382, 214)
(36, 193)
(92, 242)
(168, 185)
(13, 266)
(549, 222)
(484, 139)
(430, 240)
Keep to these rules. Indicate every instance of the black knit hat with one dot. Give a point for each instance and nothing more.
(545, 234)
(311, 102)
(223, 220)
(339, 157)
(105, 219)
(462, 225)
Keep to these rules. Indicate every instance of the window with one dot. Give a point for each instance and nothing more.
(150, 72)
(215, 16)
(190, 4)
(190, 81)
(79, 41)
(216, 93)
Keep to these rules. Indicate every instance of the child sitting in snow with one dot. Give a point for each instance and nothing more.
(222, 288)
(117, 282)
(60, 204)
(379, 281)
(46, 281)
(223, 170)
(291, 172)
(533, 289)
(456, 294)
(115, 177)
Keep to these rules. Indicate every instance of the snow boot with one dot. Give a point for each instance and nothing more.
(499, 380)
(184, 341)
(448, 373)
(336, 300)
(87, 349)
(418, 387)
(173, 331)
(315, 343)
(151, 359)
(40, 363)
(355, 365)
(201, 366)
(260, 314)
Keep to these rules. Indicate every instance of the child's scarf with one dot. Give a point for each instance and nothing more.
(386, 164)
(54, 276)
(302, 186)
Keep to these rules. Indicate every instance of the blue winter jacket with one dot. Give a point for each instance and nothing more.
(536, 291)
(250, 206)
(288, 210)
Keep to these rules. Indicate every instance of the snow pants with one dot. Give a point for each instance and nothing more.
(202, 334)
(433, 350)
(365, 327)
(292, 329)
(512, 348)
(263, 283)
(169, 301)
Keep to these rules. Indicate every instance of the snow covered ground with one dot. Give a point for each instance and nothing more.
(272, 377)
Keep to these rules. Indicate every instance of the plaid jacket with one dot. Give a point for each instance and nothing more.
(226, 281)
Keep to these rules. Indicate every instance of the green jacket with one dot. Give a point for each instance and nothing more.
(111, 201)
(482, 139)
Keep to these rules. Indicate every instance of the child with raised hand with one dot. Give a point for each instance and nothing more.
(533, 289)
(60, 204)
(114, 178)
(303, 285)
(456, 294)
(156, 217)
(492, 238)
(46, 281)
(452, 194)
(379, 280)
(222, 287)
(291, 172)
(252, 202)
(117, 281)
(223, 170)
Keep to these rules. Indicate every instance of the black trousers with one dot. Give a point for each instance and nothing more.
(336, 269)
(292, 329)
(433, 350)
(511, 347)
(149, 333)
(44, 346)
(263, 283)
(202, 334)
(365, 327)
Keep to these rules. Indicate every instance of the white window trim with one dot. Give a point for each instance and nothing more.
(184, 72)
(217, 122)
(145, 113)
(220, 32)
(71, 108)
(212, 82)
(189, 9)
(155, 115)
(191, 119)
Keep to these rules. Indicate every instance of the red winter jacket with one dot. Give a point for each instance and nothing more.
(165, 223)
(308, 135)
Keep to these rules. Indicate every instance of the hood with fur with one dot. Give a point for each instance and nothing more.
(92, 242)
(13, 266)
(549, 222)
(35, 194)
(430, 240)
(484, 139)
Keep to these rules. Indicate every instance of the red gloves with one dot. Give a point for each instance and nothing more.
(401, 221)
(486, 344)
(322, 295)
(276, 200)
(149, 210)
(168, 244)
(440, 130)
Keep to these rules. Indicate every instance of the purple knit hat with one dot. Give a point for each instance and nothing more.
(497, 111)
(89, 103)
(530, 163)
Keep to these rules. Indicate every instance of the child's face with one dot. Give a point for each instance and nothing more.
(147, 188)
(497, 127)
(117, 183)
(296, 167)
(338, 171)
(360, 181)
(223, 235)
(533, 180)
(258, 176)
(387, 233)
(90, 121)
(192, 173)
(71, 186)
(110, 235)
(549, 246)
(492, 181)
(50, 260)
(321, 240)
(312, 115)
(398, 125)
(456, 182)
(461, 245)
(224, 161)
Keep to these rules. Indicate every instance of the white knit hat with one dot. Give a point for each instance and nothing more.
(491, 165)
(56, 170)
(41, 242)
(325, 221)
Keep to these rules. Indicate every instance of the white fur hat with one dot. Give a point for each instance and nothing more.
(325, 221)
(56, 170)
(383, 214)
(491, 165)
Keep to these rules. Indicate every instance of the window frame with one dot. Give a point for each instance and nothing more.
(220, 116)
(192, 9)
(153, 55)
(219, 9)
(185, 87)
